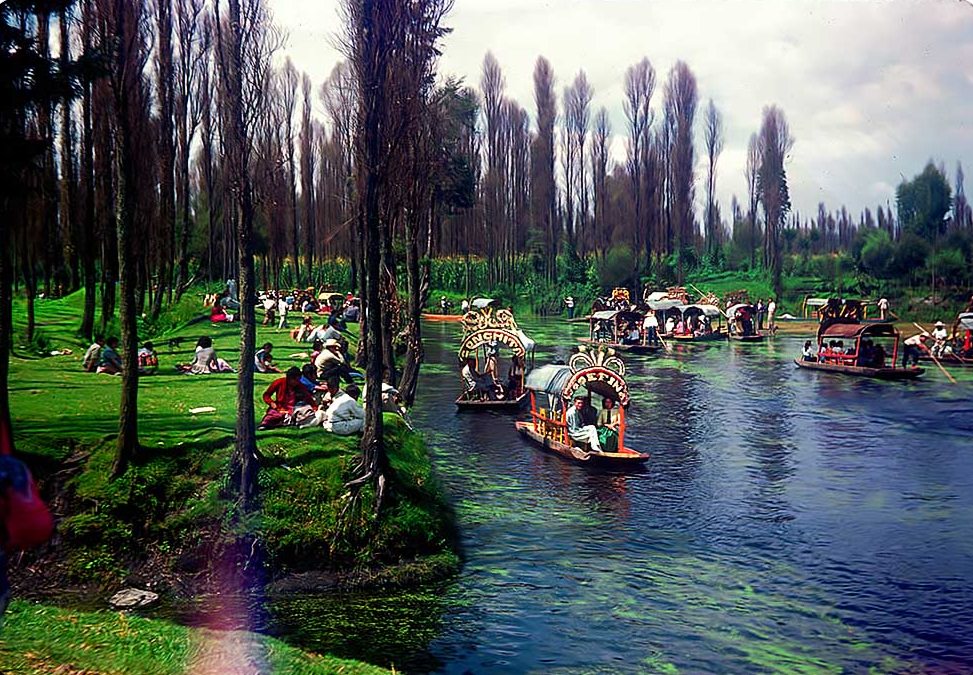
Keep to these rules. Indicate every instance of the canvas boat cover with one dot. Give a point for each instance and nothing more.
(854, 330)
(663, 304)
(549, 378)
(706, 310)
(966, 320)
(481, 303)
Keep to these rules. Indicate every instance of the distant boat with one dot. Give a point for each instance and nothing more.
(486, 329)
(608, 328)
(852, 362)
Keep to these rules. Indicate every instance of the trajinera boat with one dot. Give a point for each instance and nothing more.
(959, 346)
(621, 330)
(690, 323)
(478, 303)
(741, 318)
(552, 389)
(868, 357)
(487, 329)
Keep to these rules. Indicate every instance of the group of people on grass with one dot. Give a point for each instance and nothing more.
(103, 357)
(598, 431)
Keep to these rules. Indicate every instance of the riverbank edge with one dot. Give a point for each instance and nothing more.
(208, 518)
(103, 641)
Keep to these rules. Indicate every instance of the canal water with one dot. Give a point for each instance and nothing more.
(788, 521)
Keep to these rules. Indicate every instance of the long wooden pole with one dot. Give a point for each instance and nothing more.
(933, 357)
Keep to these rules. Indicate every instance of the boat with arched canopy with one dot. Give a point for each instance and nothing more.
(594, 371)
(742, 320)
(616, 329)
(487, 329)
(691, 323)
(863, 357)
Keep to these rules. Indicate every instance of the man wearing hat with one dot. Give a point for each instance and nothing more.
(569, 304)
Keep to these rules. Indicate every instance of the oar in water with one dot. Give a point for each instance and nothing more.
(933, 357)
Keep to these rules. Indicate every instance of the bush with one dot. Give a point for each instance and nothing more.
(616, 268)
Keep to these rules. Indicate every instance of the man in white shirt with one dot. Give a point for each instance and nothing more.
(578, 430)
(651, 326)
(913, 346)
(670, 325)
(771, 309)
(282, 309)
(344, 416)
(939, 334)
(883, 308)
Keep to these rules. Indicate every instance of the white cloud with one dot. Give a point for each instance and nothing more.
(872, 89)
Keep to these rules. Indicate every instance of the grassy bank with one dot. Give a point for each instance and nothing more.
(112, 642)
(165, 523)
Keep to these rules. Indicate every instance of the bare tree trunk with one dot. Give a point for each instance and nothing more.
(88, 241)
(126, 81)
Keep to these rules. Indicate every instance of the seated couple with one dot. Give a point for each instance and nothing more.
(602, 436)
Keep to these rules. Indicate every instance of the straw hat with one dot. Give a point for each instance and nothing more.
(940, 324)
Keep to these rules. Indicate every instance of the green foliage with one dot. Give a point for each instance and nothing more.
(875, 255)
(924, 202)
(910, 256)
(948, 264)
(616, 268)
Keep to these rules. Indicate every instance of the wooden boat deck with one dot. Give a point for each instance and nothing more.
(862, 371)
(624, 457)
(500, 404)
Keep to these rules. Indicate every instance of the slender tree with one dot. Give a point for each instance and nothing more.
(681, 99)
(775, 142)
(752, 169)
(543, 185)
(307, 180)
(713, 135)
(639, 86)
(600, 164)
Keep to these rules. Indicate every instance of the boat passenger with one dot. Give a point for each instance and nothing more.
(515, 376)
(465, 305)
(670, 325)
(633, 336)
(607, 425)
(808, 353)
(578, 430)
(878, 356)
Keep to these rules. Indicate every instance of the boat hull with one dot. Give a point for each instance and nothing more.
(511, 405)
(950, 361)
(748, 338)
(709, 337)
(638, 350)
(860, 371)
(442, 317)
(626, 457)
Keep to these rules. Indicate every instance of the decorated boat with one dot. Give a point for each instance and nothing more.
(867, 354)
(690, 323)
(552, 388)
(740, 318)
(958, 349)
(621, 330)
(487, 330)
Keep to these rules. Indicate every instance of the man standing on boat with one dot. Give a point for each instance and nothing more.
(651, 326)
(771, 310)
(569, 304)
(578, 430)
(939, 334)
(913, 346)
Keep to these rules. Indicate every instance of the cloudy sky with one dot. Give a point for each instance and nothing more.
(872, 89)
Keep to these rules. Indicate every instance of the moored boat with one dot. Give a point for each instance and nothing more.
(865, 358)
(595, 371)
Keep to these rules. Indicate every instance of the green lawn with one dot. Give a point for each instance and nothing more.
(171, 497)
(113, 642)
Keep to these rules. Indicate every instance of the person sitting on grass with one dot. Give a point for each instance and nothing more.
(148, 359)
(289, 401)
(344, 416)
(218, 314)
(89, 361)
(301, 333)
(205, 360)
(330, 362)
(110, 363)
(263, 360)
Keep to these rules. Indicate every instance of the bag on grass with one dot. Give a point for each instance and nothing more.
(25, 521)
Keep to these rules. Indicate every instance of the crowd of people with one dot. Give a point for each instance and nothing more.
(103, 357)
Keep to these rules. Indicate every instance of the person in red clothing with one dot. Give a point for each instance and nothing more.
(289, 401)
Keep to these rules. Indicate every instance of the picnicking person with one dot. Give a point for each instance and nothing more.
(109, 361)
(263, 360)
(344, 416)
(89, 362)
(289, 402)
(148, 360)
